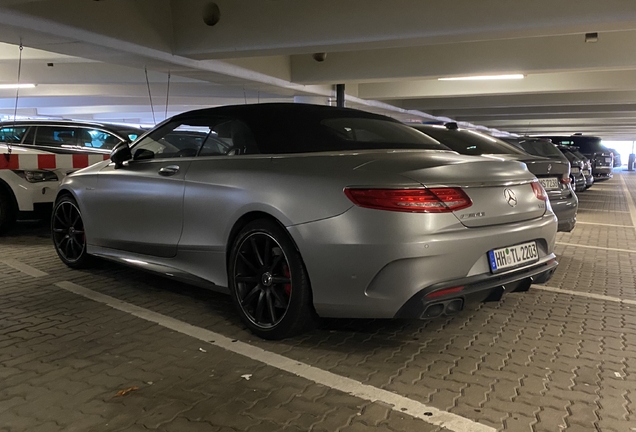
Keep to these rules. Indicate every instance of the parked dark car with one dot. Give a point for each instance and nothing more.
(577, 167)
(552, 170)
(588, 172)
(601, 157)
(544, 147)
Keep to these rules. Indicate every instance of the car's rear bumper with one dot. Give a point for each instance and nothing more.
(565, 210)
(602, 171)
(367, 265)
(432, 302)
(579, 183)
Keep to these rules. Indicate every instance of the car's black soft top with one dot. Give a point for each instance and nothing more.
(299, 128)
(288, 110)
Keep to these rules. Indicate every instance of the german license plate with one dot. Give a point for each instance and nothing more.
(549, 183)
(586, 172)
(575, 170)
(512, 256)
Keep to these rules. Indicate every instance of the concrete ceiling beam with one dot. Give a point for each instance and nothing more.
(540, 54)
(529, 100)
(283, 27)
(590, 122)
(514, 112)
(539, 83)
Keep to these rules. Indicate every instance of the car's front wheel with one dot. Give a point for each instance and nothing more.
(268, 282)
(67, 230)
(8, 211)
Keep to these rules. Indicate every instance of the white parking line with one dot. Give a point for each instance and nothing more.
(24, 268)
(584, 294)
(596, 189)
(602, 224)
(602, 210)
(596, 247)
(398, 403)
(630, 201)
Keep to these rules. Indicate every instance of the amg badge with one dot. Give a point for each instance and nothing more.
(473, 215)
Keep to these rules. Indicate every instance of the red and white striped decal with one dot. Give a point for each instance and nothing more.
(49, 161)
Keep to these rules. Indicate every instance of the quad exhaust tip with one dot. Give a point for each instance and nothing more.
(447, 307)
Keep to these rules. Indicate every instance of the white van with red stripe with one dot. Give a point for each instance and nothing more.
(36, 155)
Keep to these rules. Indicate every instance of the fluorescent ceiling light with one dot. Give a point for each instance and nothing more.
(16, 86)
(484, 77)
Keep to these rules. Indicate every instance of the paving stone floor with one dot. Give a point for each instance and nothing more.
(536, 361)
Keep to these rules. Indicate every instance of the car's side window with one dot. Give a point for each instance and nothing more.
(97, 139)
(174, 139)
(12, 134)
(229, 137)
(56, 136)
(209, 136)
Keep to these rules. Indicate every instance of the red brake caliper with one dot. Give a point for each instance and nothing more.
(287, 274)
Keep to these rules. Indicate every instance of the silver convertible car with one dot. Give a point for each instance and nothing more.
(303, 211)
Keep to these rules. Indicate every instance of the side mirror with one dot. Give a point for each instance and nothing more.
(120, 154)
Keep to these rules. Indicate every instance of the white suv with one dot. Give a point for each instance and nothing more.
(35, 156)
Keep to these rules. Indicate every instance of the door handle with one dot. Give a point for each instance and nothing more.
(169, 170)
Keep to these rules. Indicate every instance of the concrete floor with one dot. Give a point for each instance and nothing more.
(561, 357)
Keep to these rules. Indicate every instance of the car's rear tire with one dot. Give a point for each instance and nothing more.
(8, 211)
(268, 282)
(67, 232)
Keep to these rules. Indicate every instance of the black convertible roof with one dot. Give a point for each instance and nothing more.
(290, 110)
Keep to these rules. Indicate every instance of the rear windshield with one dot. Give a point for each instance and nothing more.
(469, 142)
(537, 147)
(338, 133)
(579, 154)
(584, 143)
(570, 155)
(377, 134)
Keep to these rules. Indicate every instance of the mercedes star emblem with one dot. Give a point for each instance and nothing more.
(510, 197)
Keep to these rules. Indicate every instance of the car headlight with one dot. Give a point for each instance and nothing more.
(37, 176)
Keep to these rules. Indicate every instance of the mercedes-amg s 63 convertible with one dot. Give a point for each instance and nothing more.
(302, 211)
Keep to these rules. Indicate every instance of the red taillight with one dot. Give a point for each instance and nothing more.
(538, 190)
(566, 180)
(444, 291)
(420, 200)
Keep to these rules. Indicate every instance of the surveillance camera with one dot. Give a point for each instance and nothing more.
(211, 14)
(319, 57)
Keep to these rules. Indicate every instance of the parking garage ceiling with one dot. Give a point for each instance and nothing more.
(390, 55)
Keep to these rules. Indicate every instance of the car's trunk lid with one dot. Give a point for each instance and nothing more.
(500, 188)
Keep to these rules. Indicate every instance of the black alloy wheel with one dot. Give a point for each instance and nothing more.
(67, 228)
(268, 282)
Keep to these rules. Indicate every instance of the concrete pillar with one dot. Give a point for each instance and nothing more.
(340, 95)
